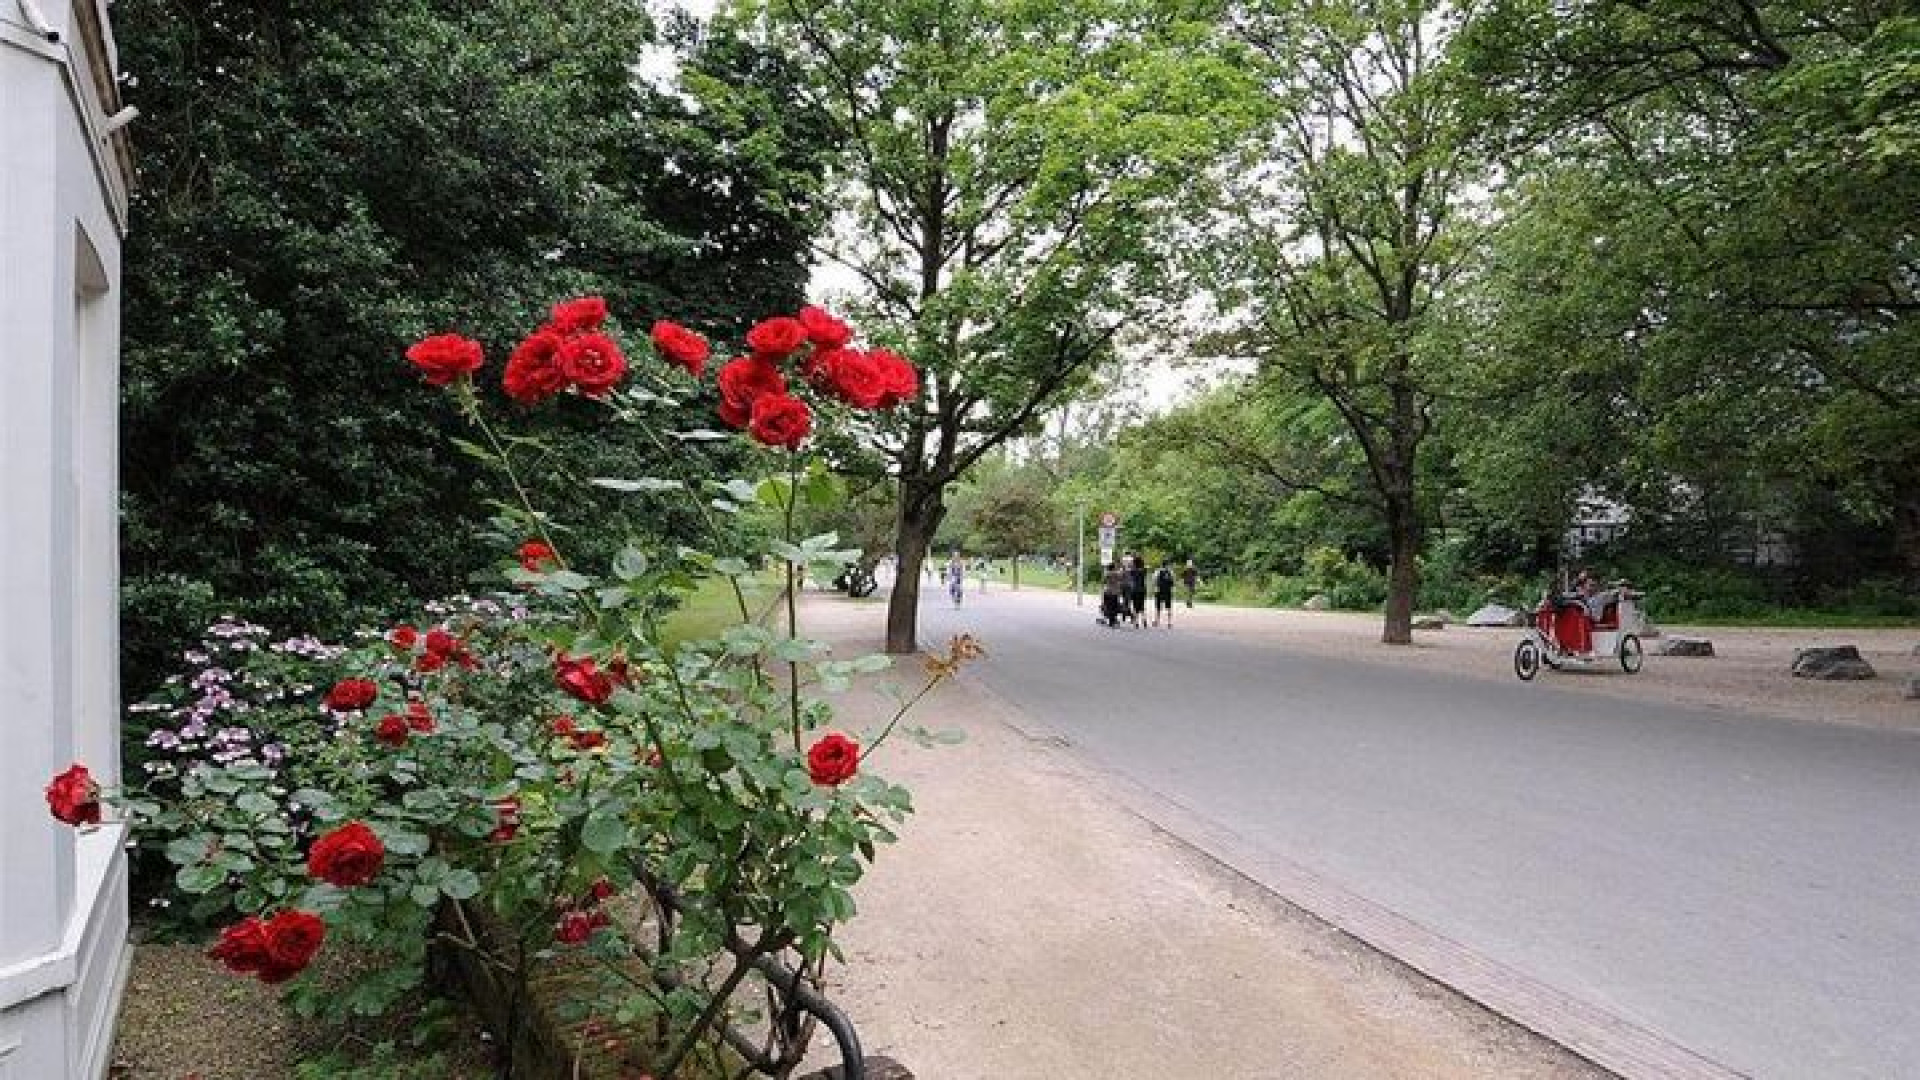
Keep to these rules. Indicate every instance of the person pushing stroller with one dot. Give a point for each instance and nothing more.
(1113, 596)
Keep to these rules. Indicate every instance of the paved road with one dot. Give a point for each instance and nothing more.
(1747, 888)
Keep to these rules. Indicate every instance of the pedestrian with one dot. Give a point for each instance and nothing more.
(956, 578)
(1137, 587)
(1189, 580)
(1163, 594)
(1113, 595)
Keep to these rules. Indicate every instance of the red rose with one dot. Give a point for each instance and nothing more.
(561, 725)
(73, 797)
(681, 346)
(446, 357)
(833, 760)
(823, 329)
(588, 740)
(779, 420)
(291, 940)
(419, 718)
(403, 637)
(391, 730)
(818, 367)
(506, 820)
(776, 337)
(579, 316)
(583, 679)
(533, 371)
(600, 890)
(577, 926)
(734, 416)
(860, 379)
(242, 947)
(349, 855)
(352, 695)
(903, 382)
(535, 555)
(428, 662)
(745, 379)
(594, 364)
(441, 644)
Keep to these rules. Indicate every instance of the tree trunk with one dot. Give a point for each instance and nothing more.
(920, 512)
(1016, 573)
(1403, 576)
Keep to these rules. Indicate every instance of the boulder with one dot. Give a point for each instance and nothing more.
(1837, 662)
(1429, 622)
(1446, 616)
(1497, 615)
(1913, 688)
(1686, 646)
(1317, 602)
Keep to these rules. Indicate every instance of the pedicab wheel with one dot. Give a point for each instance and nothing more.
(1631, 654)
(1526, 660)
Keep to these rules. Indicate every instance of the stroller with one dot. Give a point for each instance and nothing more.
(1115, 609)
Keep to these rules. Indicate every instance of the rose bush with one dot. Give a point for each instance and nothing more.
(490, 783)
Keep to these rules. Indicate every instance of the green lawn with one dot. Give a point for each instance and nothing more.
(712, 608)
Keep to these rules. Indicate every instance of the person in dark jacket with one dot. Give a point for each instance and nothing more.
(1137, 586)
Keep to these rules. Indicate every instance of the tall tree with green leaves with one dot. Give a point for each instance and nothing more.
(1008, 172)
(322, 184)
(1729, 194)
(1347, 229)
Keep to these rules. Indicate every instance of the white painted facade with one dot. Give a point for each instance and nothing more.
(63, 206)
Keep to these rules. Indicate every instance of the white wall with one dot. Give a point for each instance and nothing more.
(63, 917)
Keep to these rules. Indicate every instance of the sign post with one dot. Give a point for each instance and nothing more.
(1109, 537)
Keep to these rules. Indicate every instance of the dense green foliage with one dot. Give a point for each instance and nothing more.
(322, 184)
(1009, 172)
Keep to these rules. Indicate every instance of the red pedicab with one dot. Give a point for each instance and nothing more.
(1565, 631)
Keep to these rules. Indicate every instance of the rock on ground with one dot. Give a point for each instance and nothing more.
(1686, 646)
(1831, 662)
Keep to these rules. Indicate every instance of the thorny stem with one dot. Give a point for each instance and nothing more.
(717, 1002)
(793, 598)
(706, 516)
(469, 403)
(932, 682)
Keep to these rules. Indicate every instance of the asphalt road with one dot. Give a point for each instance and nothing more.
(1747, 888)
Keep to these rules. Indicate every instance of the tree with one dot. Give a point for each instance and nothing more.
(1715, 216)
(321, 184)
(1015, 519)
(1349, 231)
(1008, 171)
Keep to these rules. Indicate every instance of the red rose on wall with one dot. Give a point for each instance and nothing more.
(594, 364)
(588, 740)
(536, 556)
(445, 357)
(73, 797)
(823, 329)
(681, 346)
(562, 725)
(348, 856)
(833, 760)
(403, 637)
(776, 337)
(533, 371)
(419, 718)
(391, 730)
(583, 679)
(779, 420)
(579, 316)
(352, 695)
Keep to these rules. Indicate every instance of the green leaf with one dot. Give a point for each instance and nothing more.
(701, 435)
(200, 878)
(731, 567)
(630, 563)
(644, 484)
(604, 833)
(461, 885)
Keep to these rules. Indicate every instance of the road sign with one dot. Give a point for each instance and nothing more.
(1108, 520)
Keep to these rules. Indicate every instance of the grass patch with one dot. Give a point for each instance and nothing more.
(712, 608)
(1795, 619)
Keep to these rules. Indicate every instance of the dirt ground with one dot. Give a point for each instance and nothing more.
(1748, 673)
